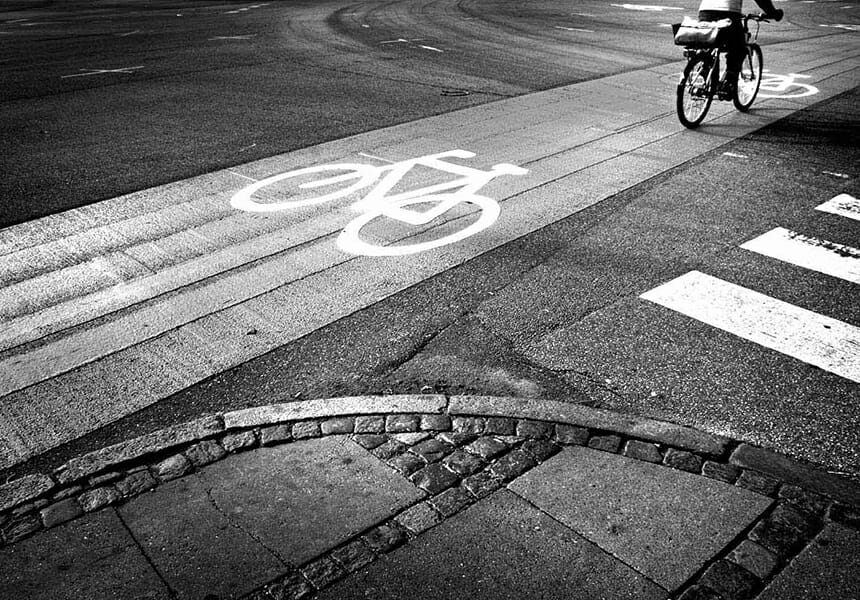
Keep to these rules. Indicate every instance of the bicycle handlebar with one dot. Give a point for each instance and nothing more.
(759, 18)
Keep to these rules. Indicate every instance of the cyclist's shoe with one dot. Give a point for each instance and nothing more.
(728, 87)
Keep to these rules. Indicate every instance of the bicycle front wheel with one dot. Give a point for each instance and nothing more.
(695, 92)
(383, 233)
(749, 79)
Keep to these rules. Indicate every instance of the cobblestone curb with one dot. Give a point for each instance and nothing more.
(457, 451)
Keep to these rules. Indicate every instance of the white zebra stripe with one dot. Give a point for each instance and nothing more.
(802, 334)
(810, 253)
(842, 205)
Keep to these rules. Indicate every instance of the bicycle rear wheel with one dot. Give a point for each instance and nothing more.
(695, 92)
(353, 178)
(749, 79)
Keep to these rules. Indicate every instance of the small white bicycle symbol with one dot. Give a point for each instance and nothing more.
(351, 177)
(785, 86)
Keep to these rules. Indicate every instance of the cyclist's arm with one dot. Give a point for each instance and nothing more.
(769, 10)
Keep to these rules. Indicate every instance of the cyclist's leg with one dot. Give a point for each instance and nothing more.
(735, 51)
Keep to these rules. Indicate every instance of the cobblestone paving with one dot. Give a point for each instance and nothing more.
(455, 461)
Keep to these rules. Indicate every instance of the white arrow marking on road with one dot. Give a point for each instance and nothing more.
(842, 205)
(810, 253)
(802, 334)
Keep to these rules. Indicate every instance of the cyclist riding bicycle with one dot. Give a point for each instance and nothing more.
(733, 36)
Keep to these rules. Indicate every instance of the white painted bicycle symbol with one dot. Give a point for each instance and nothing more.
(347, 178)
(785, 86)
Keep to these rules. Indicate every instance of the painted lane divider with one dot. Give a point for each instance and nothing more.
(810, 253)
(813, 338)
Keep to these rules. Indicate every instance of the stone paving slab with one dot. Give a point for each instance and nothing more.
(243, 521)
(502, 548)
(828, 569)
(610, 500)
(93, 558)
(196, 547)
(306, 497)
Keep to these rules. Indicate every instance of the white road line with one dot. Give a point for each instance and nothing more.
(88, 72)
(233, 37)
(810, 253)
(802, 334)
(574, 29)
(842, 205)
(645, 7)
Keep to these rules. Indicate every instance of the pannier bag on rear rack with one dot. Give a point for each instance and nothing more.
(699, 34)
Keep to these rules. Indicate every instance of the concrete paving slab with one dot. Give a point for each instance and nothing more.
(663, 522)
(828, 568)
(502, 548)
(304, 498)
(194, 545)
(93, 557)
(239, 523)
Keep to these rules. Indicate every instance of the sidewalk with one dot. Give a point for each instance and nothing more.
(430, 497)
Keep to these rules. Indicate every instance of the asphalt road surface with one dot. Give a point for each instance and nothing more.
(102, 98)
(612, 275)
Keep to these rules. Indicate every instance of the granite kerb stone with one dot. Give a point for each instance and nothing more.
(458, 415)
(139, 447)
(566, 413)
(789, 471)
(23, 490)
(334, 407)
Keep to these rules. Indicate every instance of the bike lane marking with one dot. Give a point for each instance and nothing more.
(575, 144)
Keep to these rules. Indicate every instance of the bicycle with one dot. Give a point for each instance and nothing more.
(349, 178)
(704, 77)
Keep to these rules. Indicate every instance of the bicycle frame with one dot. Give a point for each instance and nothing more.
(716, 53)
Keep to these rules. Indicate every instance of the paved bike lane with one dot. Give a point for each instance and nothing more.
(114, 307)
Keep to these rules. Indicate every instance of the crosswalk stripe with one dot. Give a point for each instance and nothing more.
(816, 339)
(843, 205)
(811, 253)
